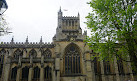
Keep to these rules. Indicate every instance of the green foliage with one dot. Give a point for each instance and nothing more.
(3, 26)
(113, 25)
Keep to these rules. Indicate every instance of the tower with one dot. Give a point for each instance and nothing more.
(68, 28)
(67, 58)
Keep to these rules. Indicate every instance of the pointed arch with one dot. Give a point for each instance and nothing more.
(33, 53)
(36, 75)
(120, 67)
(2, 51)
(25, 73)
(72, 60)
(17, 53)
(47, 74)
(47, 53)
(106, 67)
(24, 52)
(72, 47)
(13, 73)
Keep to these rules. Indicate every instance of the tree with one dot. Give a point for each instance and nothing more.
(3, 26)
(113, 25)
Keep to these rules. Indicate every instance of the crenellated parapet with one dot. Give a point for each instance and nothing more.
(68, 28)
(27, 45)
(70, 17)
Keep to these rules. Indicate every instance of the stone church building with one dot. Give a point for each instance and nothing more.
(67, 58)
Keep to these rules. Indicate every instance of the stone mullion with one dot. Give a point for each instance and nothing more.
(67, 24)
(71, 24)
(78, 65)
(130, 69)
(75, 24)
(30, 69)
(46, 74)
(53, 74)
(42, 74)
(75, 64)
(116, 69)
(64, 65)
(72, 63)
(18, 77)
(57, 68)
(30, 74)
(102, 70)
(42, 68)
(67, 65)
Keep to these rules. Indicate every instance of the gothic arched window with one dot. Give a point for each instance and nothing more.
(97, 68)
(47, 53)
(17, 53)
(95, 65)
(106, 67)
(25, 73)
(36, 75)
(47, 74)
(33, 53)
(72, 60)
(13, 74)
(72, 22)
(2, 52)
(120, 67)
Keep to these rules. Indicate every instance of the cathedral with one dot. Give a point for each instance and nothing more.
(67, 58)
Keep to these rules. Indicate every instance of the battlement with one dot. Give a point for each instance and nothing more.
(70, 17)
(27, 44)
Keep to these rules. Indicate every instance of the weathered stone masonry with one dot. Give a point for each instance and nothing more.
(67, 58)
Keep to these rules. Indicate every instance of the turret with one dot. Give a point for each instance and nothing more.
(26, 40)
(59, 18)
(78, 14)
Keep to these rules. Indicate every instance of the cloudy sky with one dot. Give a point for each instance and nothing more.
(36, 18)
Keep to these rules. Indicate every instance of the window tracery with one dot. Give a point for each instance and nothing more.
(120, 67)
(72, 60)
(25, 73)
(36, 75)
(33, 53)
(17, 53)
(96, 66)
(106, 67)
(47, 74)
(13, 74)
(47, 53)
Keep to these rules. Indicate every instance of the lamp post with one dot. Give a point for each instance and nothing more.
(3, 6)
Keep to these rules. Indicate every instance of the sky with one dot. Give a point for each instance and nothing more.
(36, 18)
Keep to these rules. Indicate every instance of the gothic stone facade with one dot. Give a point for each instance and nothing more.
(67, 58)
